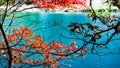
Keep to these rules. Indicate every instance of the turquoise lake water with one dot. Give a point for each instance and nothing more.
(52, 26)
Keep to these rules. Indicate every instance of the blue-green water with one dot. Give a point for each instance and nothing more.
(52, 26)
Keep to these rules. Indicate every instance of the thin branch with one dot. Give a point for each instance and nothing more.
(5, 13)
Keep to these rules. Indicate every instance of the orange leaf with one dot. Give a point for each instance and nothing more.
(14, 31)
(26, 47)
(28, 41)
(45, 45)
(26, 30)
(12, 38)
(37, 44)
(17, 33)
(57, 45)
(72, 43)
(38, 38)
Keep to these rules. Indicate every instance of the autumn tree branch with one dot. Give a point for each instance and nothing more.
(8, 47)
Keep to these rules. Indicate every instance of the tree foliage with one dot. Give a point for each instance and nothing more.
(58, 3)
(5, 2)
(23, 42)
(19, 46)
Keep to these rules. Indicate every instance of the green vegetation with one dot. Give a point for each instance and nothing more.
(5, 2)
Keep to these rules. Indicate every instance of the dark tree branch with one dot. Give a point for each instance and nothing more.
(5, 13)
(8, 47)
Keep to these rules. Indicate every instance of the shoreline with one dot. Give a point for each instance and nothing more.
(31, 8)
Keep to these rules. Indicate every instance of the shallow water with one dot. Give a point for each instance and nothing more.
(52, 26)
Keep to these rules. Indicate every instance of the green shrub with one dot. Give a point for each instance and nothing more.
(5, 2)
